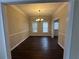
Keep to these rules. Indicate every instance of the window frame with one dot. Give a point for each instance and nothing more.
(36, 26)
(47, 27)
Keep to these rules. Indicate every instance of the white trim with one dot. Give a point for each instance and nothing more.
(19, 43)
(40, 35)
(52, 36)
(62, 33)
(61, 7)
(17, 33)
(60, 45)
(18, 9)
(4, 46)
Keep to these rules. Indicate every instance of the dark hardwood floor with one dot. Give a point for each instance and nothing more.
(38, 48)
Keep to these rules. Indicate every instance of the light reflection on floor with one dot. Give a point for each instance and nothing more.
(44, 43)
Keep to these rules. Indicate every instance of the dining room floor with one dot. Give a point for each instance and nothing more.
(38, 47)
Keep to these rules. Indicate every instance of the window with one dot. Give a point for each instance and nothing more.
(45, 26)
(34, 26)
(56, 25)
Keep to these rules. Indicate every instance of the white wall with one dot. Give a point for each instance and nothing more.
(18, 26)
(52, 31)
(62, 15)
(72, 37)
(4, 46)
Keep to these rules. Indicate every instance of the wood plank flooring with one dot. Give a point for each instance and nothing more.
(38, 47)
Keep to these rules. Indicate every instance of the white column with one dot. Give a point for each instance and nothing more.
(4, 48)
(72, 35)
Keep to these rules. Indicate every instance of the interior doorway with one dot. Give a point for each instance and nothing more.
(43, 27)
(56, 27)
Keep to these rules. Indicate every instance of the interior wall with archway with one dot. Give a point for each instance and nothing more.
(62, 15)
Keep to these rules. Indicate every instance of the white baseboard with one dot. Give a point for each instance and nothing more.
(19, 43)
(24, 31)
(60, 45)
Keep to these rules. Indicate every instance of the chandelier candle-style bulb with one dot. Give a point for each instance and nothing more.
(39, 20)
(42, 19)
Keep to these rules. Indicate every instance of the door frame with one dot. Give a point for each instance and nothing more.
(5, 50)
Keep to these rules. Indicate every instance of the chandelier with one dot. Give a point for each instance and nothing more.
(39, 19)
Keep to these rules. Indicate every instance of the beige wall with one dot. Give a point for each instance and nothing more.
(40, 33)
(62, 15)
(52, 31)
(18, 26)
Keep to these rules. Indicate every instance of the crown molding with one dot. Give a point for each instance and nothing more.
(61, 7)
(18, 9)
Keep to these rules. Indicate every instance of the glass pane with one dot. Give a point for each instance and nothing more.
(34, 26)
(45, 27)
(56, 25)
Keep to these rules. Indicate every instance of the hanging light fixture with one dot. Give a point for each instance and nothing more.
(39, 19)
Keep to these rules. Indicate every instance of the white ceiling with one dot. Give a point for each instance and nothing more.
(45, 8)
